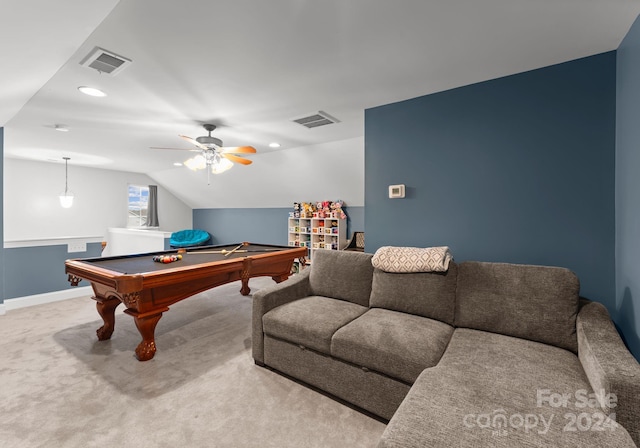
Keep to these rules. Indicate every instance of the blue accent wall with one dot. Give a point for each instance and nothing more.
(258, 225)
(627, 304)
(40, 269)
(517, 169)
(2, 276)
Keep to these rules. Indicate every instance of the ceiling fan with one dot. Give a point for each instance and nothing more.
(213, 154)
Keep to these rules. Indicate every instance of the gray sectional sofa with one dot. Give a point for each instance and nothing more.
(484, 354)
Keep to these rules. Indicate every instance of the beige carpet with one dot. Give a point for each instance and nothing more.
(61, 387)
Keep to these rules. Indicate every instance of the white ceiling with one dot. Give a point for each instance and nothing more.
(251, 66)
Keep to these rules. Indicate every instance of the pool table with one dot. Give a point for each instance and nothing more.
(147, 287)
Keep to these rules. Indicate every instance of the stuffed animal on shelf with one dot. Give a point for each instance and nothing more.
(308, 209)
(326, 209)
(336, 208)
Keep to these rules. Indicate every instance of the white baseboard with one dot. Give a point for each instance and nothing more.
(39, 299)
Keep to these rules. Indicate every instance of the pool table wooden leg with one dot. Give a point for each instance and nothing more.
(280, 278)
(107, 308)
(147, 327)
(245, 274)
(245, 290)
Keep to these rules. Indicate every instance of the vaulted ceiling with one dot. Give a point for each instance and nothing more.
(252, 66)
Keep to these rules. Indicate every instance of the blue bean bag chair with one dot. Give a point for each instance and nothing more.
(189, 238)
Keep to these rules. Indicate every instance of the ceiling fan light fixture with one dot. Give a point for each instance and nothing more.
(213, 156)
(221, 165)
(196, 163)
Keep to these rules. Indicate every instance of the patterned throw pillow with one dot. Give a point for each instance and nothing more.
(412, 259)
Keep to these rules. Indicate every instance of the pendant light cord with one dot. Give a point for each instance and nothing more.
(66, 174)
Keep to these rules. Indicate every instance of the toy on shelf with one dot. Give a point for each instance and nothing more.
(302, 210)
(337, 211)
(307, 210)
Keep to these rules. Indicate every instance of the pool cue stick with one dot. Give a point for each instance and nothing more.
(224, 251)
(233, 250)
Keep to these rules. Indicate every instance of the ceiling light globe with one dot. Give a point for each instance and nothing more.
(66, 199)
(222, 166)
(196, 163)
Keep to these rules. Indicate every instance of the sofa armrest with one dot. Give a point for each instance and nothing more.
(609, 366)
(266, 299)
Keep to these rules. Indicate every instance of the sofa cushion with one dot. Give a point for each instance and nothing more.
(500, 391)
(428, 294)
(397, 344)
(342, 275)
(311, 321)
(539, 303)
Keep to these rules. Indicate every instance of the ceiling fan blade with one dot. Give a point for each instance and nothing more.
(175, 149)
(238, 150)
(237, 159)
(193, 141)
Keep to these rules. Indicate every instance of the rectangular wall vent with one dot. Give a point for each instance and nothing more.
(316, 120)
(105, 61)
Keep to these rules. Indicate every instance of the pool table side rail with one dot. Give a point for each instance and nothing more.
(95, 274)
(127, 283)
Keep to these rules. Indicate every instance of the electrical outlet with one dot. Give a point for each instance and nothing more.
(77, 246)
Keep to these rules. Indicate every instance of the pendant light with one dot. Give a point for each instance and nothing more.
(66, 198)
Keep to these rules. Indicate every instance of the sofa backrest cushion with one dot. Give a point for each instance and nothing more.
(342, 275)
(539, 303)
(428, 294)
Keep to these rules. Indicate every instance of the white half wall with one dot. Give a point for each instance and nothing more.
(32, 209)
(329, 171)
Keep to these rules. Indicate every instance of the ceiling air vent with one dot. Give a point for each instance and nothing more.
(104, 61)
(316, 120)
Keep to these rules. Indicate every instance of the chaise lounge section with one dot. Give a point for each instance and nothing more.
(480, 354)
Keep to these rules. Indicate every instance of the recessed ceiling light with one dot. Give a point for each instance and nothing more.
(61, 128)
(274, 145)
(91, 91)
(177, 164)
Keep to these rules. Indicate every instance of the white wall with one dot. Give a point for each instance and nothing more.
(329, 171)
(32, 209)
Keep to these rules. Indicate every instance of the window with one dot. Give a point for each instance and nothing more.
(138, 202)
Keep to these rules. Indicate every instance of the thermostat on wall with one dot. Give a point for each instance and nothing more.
(396, 191)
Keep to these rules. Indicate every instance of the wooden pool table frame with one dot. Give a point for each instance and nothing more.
(147, 295)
